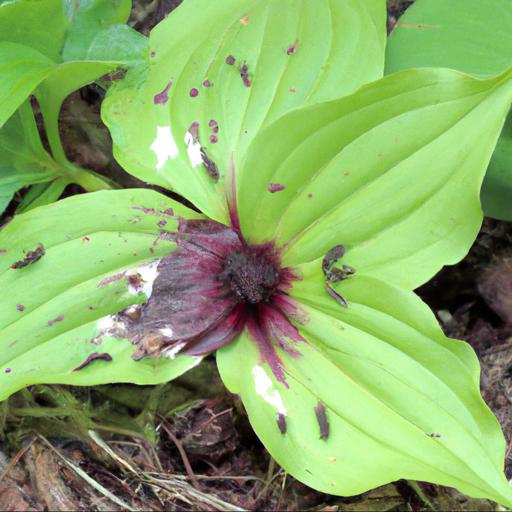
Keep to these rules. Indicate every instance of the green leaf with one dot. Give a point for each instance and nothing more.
(56, 311)
(497, 187)
(471, 36)
(74, 24)
(401, 400)
(42, 194)
(88, 18)
(295, 52)
(22, 69)
(23, 160)
(410, 205)
(121, 43)
(27, 22)
(468, 35)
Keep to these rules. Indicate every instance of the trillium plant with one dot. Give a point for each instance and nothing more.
(321, 195)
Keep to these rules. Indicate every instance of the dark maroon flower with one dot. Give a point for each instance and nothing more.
(213, 287)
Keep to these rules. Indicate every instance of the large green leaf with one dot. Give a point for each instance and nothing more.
(393, 172)
(56, 311)
(471, 36)
(401, 400)
(286, 53)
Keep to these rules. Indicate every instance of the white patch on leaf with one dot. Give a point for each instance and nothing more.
(110, 326)
(265, 388)
(193, 149)
(164, 146)
(148, 273)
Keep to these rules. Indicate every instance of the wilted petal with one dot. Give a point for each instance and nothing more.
(220, 334)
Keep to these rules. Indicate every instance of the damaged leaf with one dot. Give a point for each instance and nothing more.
(70, 297)
(238, 75)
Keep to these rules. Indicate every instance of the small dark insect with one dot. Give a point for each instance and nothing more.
(30, 258)
(293, 48)
(332, 256)
(281, 423)
(321, 417)
(434, 435)
(20, 307)
(210, 165)
(335, 274)
(93, 357)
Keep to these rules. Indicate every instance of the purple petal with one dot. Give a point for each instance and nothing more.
(221, 334)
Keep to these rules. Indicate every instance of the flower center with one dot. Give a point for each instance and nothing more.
(251, 274)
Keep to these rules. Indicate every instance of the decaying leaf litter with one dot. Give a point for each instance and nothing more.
(99, 445)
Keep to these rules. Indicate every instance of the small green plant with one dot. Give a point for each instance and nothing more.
(49, 48)
(324, 195)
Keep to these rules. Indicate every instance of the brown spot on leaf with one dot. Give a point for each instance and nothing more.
(162, 97)
(56, 320)
(281, 422)
(112, 279)
(244, 20)
(293, 48)
(275, 187)
(152, 211)
(321, 417)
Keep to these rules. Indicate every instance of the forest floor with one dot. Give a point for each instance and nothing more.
(97, 448)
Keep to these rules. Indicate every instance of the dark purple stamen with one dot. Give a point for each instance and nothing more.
(194, 93)
(93, 357)
(20, 307)
(213, 287)
(212, 123)
(207, 83)
(230, 60)
(8, 370)
(213, 139)
(162, 97)
(321, 417)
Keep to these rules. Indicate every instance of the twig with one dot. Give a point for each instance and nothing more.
(16, 459)
(184, 457)
(102, 444)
